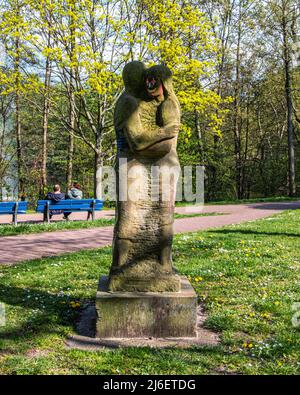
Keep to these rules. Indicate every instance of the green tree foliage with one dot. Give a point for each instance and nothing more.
(61, 70)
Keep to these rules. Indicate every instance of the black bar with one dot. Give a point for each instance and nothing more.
(47, 213)
(148, 384)
(93, 209)
(15, 214)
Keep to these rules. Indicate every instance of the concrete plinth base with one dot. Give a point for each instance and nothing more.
(85, 338)
(146, 314)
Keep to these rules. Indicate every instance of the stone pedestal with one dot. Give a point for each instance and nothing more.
(146, 314)
(148, 283)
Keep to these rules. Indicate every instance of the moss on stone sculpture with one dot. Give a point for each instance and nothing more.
(147, 128)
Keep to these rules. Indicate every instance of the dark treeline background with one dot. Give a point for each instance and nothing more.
(236, 73)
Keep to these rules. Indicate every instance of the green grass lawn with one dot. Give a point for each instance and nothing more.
(26, 228)
(247, 276)
(10, 230)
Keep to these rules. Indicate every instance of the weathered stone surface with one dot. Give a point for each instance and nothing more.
(146, 314)
(147, 129)
(143, 296)
(160, 283)
(86, 340)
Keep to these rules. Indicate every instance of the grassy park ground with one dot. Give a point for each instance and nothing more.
(28, 228)
(246, 275)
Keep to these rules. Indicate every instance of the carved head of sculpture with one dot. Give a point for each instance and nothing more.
(132, 75)
(147, 83)
(158, 81)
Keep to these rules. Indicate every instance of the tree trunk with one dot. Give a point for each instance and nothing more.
(245, 177)
(71, 99)
(5, 118)
(19, 149)
(18, 126)
(98, 175)
(288, 95)
(237, 113)
(71, 143)
(46, 110)
(200, 137)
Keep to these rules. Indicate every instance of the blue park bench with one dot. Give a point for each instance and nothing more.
(13, 208)
(48, 207)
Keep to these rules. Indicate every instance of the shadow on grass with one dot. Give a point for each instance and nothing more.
(252, 232)
(275, 206)
(53, 310)
(57, 318)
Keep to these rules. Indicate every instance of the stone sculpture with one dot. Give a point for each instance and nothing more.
(147, 121)
(143, 296)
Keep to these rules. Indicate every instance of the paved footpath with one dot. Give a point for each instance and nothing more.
(14, 249)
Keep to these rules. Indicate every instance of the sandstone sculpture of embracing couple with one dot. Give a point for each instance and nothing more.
(147, 122)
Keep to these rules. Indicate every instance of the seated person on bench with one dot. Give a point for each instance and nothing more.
(74, 193)
(56, 196)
